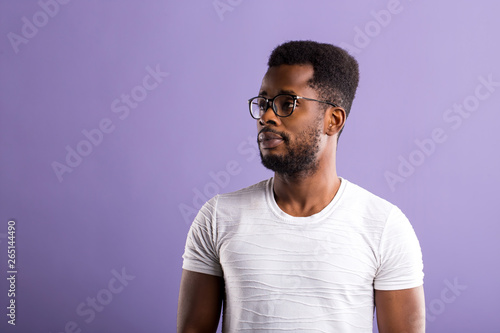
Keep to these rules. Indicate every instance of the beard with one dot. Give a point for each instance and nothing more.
(300, 158)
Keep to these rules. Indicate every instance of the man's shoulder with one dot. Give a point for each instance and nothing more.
(232, 206)
(257, 190)
(364, 201)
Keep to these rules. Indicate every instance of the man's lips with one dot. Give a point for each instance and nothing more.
(270, 140)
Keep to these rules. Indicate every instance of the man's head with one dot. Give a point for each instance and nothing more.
(336, 73)
(298, 144)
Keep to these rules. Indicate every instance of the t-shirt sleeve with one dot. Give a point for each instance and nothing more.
(200, 254)
(400, 265)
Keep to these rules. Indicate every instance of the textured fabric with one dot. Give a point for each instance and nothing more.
(303, 274)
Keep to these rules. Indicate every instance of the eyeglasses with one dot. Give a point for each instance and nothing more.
(283, 105)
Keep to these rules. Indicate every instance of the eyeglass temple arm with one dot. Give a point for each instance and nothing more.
(316, 100)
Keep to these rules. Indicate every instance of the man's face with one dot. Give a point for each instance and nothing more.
(291, 145)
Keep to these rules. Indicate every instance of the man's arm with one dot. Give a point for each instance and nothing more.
(400, 311)
(200, 301)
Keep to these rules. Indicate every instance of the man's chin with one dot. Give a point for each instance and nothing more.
(276, 164)
(271, 161)
(285, 167)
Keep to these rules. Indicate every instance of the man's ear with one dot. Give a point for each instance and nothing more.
(335, 120)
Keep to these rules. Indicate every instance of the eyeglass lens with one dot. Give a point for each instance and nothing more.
(283, 105)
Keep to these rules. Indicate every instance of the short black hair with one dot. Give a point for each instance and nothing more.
(336, 72)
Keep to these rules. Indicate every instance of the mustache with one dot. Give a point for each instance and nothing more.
(285, 136)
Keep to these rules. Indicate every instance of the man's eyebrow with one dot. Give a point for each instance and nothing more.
(291, 92)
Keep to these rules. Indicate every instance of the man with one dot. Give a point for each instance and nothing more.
(305, 251)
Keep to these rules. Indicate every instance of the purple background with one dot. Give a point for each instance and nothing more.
(121, 207)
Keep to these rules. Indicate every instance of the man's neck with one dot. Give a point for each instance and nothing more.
(305, 195)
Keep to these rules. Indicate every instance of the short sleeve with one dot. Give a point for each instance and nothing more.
(200, 254)
(400, 261)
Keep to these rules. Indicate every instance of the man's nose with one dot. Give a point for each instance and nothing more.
(269, 115)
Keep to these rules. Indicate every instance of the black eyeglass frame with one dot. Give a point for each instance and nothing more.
(274, 108)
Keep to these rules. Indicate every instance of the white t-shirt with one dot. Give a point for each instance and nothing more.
(303, 274)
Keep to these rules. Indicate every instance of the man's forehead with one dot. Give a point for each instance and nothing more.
(287, 79)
